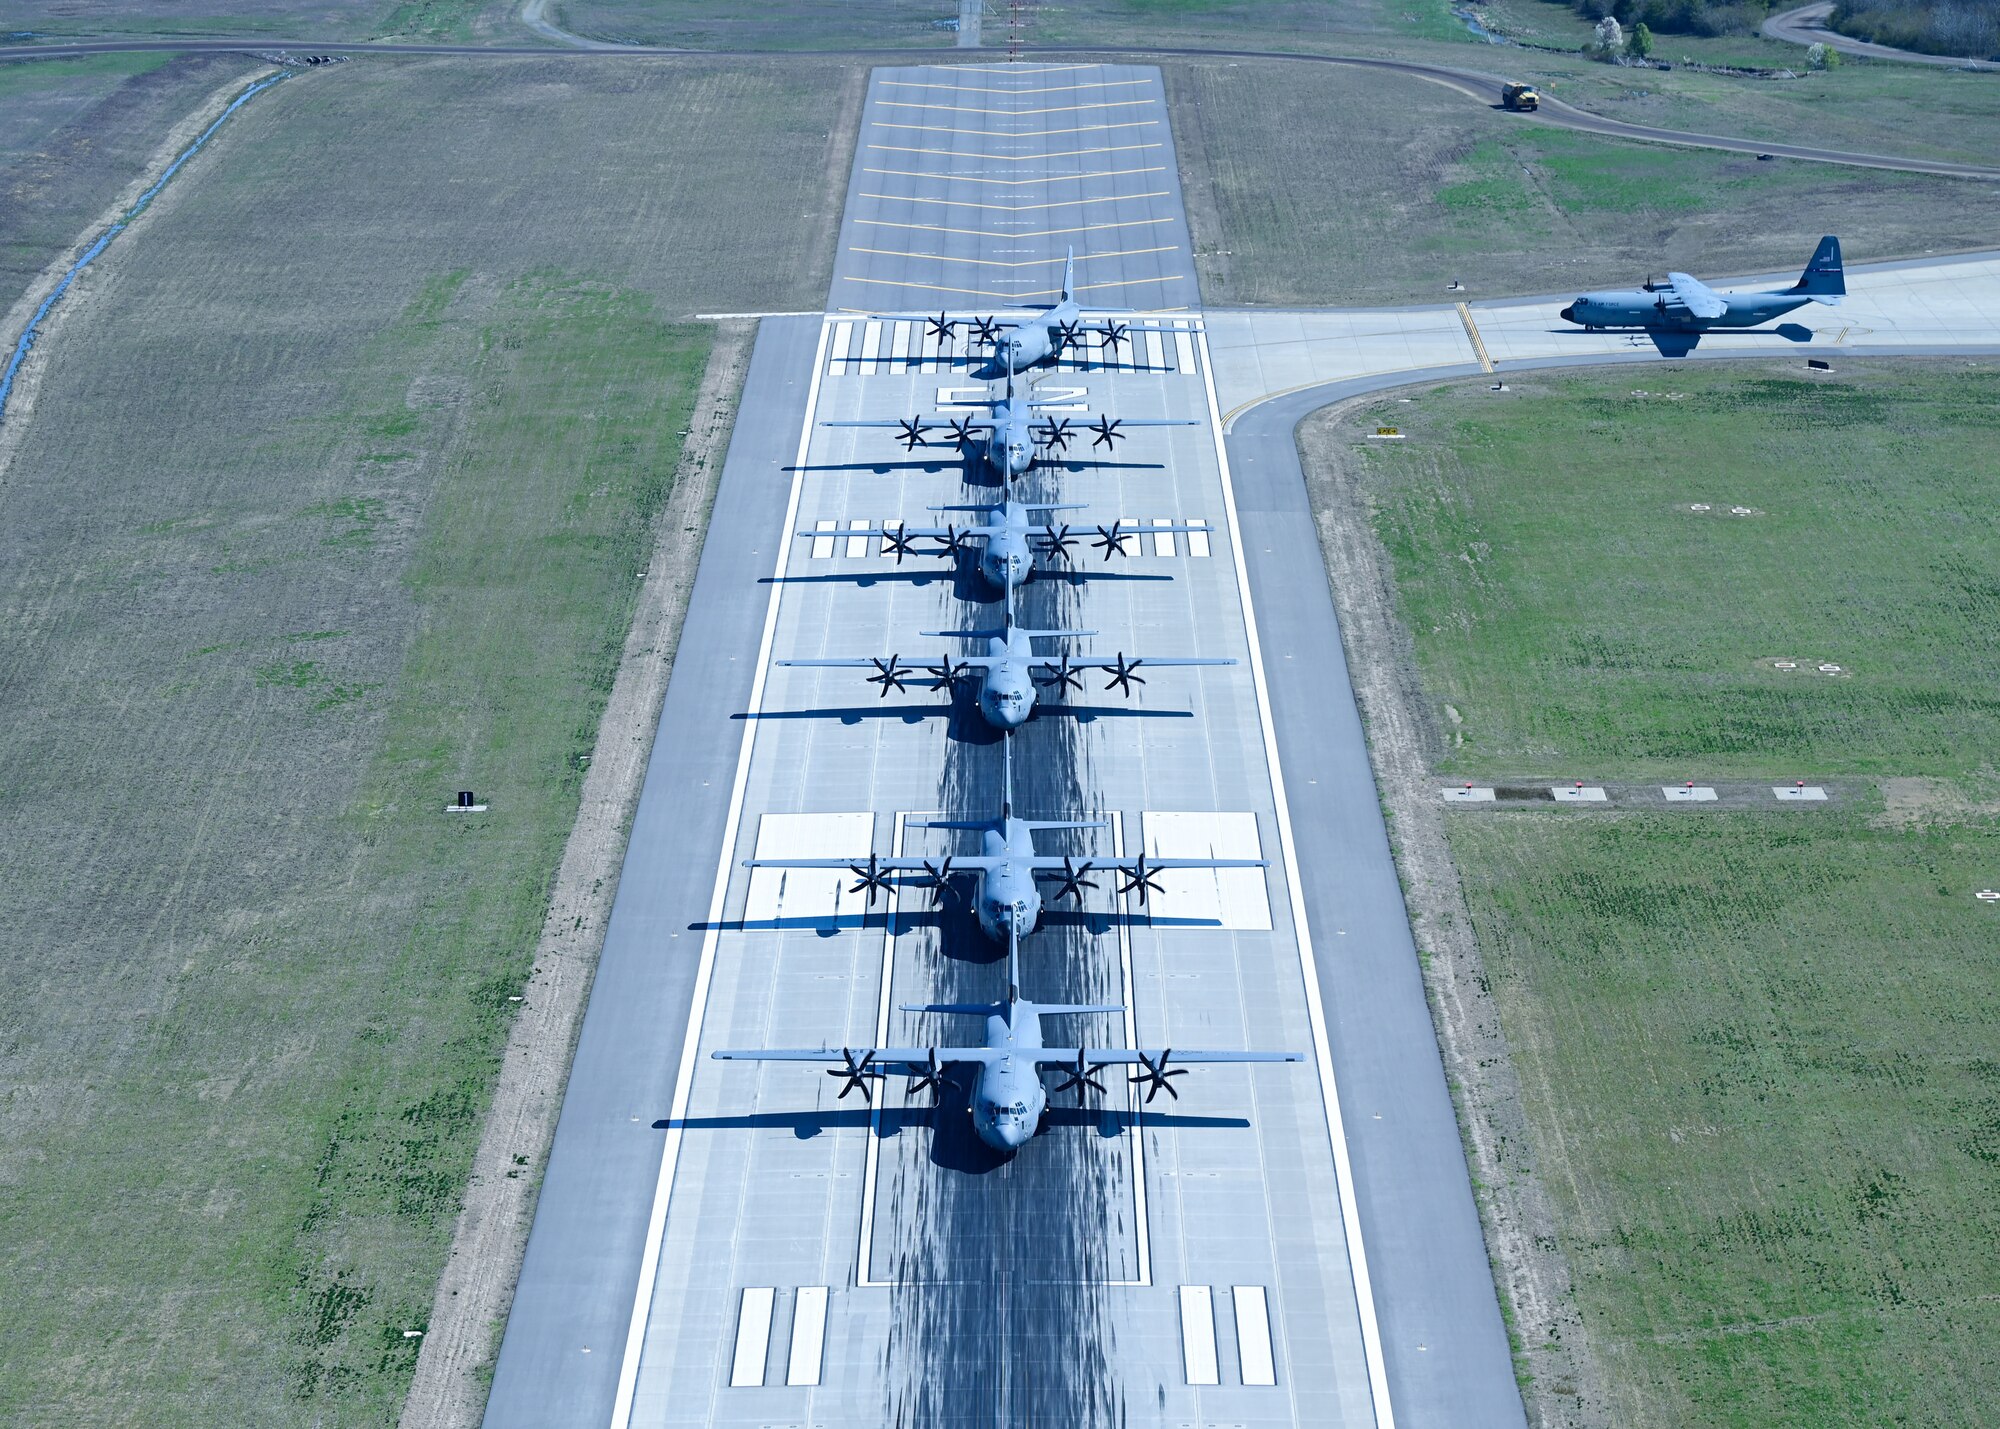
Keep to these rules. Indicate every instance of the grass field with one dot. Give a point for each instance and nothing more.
(333, 502)
(1443, 188)
(75, 132)
(1872, 548)
(444, 21)
(1758, 1053)
(1763, 1075)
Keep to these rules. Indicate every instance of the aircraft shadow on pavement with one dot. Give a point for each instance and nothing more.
(955, 1146)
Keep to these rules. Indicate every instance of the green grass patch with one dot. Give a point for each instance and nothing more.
(1763, 1077)
(1582, 619)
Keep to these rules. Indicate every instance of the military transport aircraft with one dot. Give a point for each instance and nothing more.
(1010, 541)
(1013, 432)
(1042, 337)
(1007, 901)
(1685, 304)
(1008, 1098)
(1009, 669)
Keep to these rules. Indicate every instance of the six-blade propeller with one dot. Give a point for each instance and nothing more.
(1139, 879)
(1156, 1077)
(1079, 1078)
(1110, 540)
(873, 878)
(889, 676)
(854, 1076)
(1074, 880)
(1123, 676)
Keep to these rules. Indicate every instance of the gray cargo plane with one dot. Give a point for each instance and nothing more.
(1014, 434)
(1685, 304)
(1008, 1098)
(1010, 542)
(1042, 337)
(1007, 899)
(1009, 669)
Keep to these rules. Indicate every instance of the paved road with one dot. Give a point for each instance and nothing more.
(559, 1360)
(1807, 26)
(1475, 85)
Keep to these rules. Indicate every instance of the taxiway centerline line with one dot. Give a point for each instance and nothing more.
(649, 1265)
(1357, 1255)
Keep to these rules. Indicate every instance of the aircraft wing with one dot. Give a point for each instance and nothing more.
(915, 672)
(967, 863)
(1132, 1056)
(868, 1061)
(1052, 661)
(915, 533)
(977, 424)
(1699, 299)
(1045, 866)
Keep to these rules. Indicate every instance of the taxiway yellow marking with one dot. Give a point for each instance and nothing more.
(1020, 133)
(1052, 109)
(1014, 298)
(1472, 331)
(1006, 263)
(1015, 158)
(1045, 89)
(1038, 233)
(1015, 207)
(1015, 183)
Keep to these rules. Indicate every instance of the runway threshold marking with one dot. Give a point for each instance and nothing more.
(1015, 158)
(1018, 113)
(753, 1337)
(1012, 263)
(1015, 299)
(1343, 1167)
(649, 1265)
(1045, 89)
(1013, 207)
(1025, 233)
(1472, 331)
(1016, 183)
(1020, 133)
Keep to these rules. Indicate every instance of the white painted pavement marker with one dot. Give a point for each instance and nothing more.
(1688, 793)
(1198, 1335)
(808, 1335)
(1253, 1335)
(857, 546)
(1467, 794)
(823, 545)
(753, 1337)
(1198, 540)
(1577, 794)
(807, 892)
(1163, 541)
(1802, 793)
(1227, 897)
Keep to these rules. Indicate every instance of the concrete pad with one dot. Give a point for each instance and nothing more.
(808, 892)
(1688, 793)
(1801, 793)
(1230, 897)
(1467, 794)
(1577, 794)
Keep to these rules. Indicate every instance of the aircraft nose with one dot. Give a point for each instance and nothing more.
(1568, 314)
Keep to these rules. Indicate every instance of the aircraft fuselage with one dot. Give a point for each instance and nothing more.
(1010, 448)
(1007, 899)
(1008, 1097)
(1036, 339)
(1008, 559)
(1637, 308)
(1007, 689)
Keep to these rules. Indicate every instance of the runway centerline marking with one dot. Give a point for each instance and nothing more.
(649, 1265)
(1350, 1215)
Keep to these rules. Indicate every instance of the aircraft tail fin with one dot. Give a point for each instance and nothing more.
(1824, 277)
(1069, 275)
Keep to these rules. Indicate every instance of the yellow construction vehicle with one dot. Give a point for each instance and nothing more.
(1519, 97)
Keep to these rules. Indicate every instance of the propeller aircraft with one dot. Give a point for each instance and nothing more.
(1686, 304)
(1009, 540)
